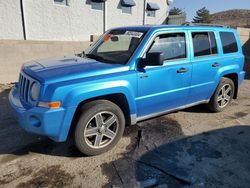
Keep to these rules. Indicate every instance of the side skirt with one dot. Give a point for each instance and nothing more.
(134, 119)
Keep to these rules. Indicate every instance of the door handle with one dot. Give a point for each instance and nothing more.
(182, 70)
(216, 65)
(144, 76)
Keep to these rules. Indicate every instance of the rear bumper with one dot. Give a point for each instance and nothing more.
(42, 121)
(241, 77)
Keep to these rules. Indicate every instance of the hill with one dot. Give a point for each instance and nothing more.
(234, 18)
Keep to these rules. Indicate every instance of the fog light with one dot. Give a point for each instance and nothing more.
(35, 122)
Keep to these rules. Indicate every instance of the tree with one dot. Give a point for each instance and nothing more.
(176, 11)
(202, 16)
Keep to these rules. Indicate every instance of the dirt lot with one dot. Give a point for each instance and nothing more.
(189, 148)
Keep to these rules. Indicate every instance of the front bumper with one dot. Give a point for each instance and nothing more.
(42, 121)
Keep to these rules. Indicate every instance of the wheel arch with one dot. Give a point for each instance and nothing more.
(119, 99)
(234, 77)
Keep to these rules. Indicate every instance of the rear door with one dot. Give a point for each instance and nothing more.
(205, 61)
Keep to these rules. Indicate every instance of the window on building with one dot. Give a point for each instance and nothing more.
(151, 13)
(61, 2)
(151, 9)
(228, 42)
(97, 5)
(126, 10)
(126, 6)
(172, 45)
(204, 43)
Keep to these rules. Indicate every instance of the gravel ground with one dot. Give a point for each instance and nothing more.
(189, 148)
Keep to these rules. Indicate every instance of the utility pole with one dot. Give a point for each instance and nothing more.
(105, 16)
(144, 12)
(23, 19)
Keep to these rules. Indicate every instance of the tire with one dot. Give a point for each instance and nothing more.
(99, 128)
(220, 101)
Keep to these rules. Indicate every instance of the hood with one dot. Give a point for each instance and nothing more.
(68, 67)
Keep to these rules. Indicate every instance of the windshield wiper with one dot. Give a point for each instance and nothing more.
(82, 54)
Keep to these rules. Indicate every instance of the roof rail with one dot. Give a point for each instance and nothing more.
(204, 24)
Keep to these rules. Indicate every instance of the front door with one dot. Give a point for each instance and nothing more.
(162, 88)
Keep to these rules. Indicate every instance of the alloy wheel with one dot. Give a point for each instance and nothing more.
(101, 129)
(224, 96)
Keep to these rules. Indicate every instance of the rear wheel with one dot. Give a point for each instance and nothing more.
(100, 127)
(222, 96)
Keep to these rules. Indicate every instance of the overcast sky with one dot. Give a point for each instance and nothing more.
(191, 6)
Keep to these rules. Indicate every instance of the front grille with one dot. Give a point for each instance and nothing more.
(24, 87)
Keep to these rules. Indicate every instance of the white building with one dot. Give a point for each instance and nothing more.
(75, 20)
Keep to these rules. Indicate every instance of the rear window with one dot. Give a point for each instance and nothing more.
(204, 43)
(228, 42)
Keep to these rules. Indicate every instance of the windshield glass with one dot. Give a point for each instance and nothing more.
(116, 47)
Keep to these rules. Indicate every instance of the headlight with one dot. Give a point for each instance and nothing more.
(34, 91)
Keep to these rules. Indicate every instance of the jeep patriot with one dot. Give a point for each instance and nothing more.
(128, 75)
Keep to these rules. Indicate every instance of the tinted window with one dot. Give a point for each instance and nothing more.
(172, 45)
(228, 42)
(201, 44)
(214, 49)
(204, 43)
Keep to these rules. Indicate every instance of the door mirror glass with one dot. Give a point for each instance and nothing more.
(153, 59)
(114, 38)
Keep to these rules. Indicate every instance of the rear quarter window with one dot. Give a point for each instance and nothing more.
(229, 42)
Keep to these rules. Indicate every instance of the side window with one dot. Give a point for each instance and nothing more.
(228, 42)
(172, 45)
(61, 2)
(126, 10)
(151, 13)
(97, 5)
(204, 43)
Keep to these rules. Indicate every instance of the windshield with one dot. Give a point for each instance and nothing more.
(116, 47)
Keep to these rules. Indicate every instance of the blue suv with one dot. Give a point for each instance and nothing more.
(128, 75)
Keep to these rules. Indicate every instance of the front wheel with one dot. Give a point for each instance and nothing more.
(222, 96)
(100, 127)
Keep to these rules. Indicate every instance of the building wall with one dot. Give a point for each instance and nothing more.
(13, 53)
(48, 21)
(115, 17)
(161, 14)
(45, 20)
(10, 20)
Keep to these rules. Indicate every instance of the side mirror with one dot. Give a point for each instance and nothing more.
(153, 59)
(114, 39)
